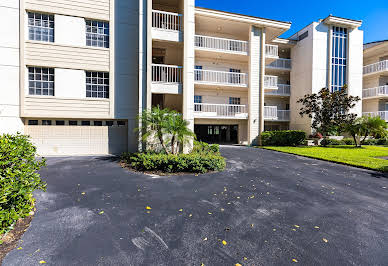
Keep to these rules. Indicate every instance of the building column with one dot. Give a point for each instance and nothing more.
(256, 84)
(188, 62)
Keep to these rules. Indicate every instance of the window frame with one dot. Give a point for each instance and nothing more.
(43, 79)
(97, 34)
(43, 26)
(97, 90)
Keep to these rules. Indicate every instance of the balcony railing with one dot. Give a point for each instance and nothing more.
(272, 113)
(375, 92)
(221, 44)
(209, 110)
(376, 67)
(271, 50)
(220, 78)
(280, 63)
(382, 114)
(283, 90)
(166, 74)
(271, 82)
(166, 20)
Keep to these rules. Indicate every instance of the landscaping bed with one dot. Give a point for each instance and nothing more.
(369, 157)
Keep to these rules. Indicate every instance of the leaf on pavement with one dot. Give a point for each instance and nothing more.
(148, 208)
(224, 242)
(325, 240)
(42, 262)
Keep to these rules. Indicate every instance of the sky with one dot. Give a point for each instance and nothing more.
(373, 13)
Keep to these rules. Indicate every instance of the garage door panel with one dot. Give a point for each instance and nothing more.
(78, 140)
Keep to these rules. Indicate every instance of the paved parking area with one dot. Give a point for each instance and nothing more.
(267, 208)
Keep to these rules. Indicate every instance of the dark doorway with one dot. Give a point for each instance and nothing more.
(220, 134)
(158, 100)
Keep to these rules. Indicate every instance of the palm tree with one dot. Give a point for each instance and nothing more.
(179, 132)
(154, 123)
(375, 126)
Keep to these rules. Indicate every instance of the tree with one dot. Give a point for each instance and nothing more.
(168, 126)
(154, 123)
(177, 129)
(356, 129)
(329, 110)
(375, 127)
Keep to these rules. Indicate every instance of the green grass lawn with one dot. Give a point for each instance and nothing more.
(366, 157)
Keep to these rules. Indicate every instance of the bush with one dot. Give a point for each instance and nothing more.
(18, 179)
(283, 138)
(170, 163)
(204, 148)
(348, 141)
(333, 142)
(375, 142)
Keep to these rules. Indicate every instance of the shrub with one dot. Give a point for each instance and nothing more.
(283, 138)
(375, 142)
(204, 148)
(333, 142)
(18, 179)
(170, 163)
(348, 141)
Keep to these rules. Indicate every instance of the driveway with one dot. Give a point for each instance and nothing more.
(269, 208)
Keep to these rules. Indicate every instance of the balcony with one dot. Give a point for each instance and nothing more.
(220, 78)
(270, 82)
(271, 53)
(378, 92)
(167, 26)
(166, 79)
(280, 64)
(271, 113)
(283, 90)
(220, 111)
(376, 68)
(383, 114)
(221, 45)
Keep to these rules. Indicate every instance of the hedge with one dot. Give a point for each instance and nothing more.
(180, 163)
(18, 179)
(333, 142)
(283, 138)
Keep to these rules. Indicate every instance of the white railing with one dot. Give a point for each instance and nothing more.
(283, 115)
(272, 113)
(220, 77)
(374, 92)
(220, 110)
(271, 82)
(383, 114)
(376, 67)
(280, 63)
(166, 74)
(221, 44)
(271, 50)
(166, 20)
(283, 90)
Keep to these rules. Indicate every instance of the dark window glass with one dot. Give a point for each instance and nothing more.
(109, 123)
(32, 122)
(97, 123)
(46, 122)
(121, 123)
(85, 123)
(60, 123)
(73, 123)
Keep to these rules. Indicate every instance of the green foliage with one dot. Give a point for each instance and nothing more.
(348, 141)
(205, 148)
(332, 142)
(167, 126)
(375, 142)
(171, 163)
(329, 111)
(366, 157)
(18, 179)
(363, 127)
(283, 138)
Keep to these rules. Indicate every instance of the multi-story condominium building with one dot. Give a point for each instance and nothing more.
(375, 92)
(78, 73)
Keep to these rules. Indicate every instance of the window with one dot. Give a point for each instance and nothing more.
(46, 122)
(41, 27)
(197, 107)
(198, 73)
(339, 58)
(109, 123)
(85, 123)
(60, 123)
(33, 122)
(121, 123)
(234, 100)
(97, 33)
(73, 123)
(287, 106)
(41, 81)
(97, 123)
(235, 77)
(97, 84)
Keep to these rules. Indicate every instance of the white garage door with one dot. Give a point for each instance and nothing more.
(78, 140)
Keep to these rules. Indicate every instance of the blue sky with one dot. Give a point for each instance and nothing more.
(373, 13)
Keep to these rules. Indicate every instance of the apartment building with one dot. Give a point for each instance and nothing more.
(375, 83)
(79, 72)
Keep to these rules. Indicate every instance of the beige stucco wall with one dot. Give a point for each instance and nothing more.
(221, 95)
